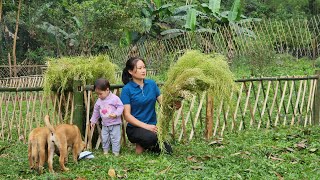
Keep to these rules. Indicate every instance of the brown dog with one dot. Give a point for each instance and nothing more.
(64, 136)
(38, 148)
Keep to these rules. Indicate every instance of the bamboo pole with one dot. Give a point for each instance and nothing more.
(1, 117)
(264, 104)
(209, 117)
(288, 105)
(309, 102)
(187, 118)
(273, 102)
(281, 103)
(294, 114)
(197, 115)
(89, 131)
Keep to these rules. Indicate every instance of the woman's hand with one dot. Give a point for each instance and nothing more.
(112, 115)
(152, 128)
(92, 125)
(177, 104)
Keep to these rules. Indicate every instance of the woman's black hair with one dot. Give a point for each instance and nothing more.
(130, 64)
(101, 84)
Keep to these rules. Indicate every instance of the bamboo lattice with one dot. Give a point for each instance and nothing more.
(258, 103)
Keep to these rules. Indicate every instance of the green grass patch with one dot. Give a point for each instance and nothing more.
(253, 154)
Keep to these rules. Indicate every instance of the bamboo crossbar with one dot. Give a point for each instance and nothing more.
(258, 103)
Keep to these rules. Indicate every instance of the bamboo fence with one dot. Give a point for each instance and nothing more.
(258, 103)
(297, 37)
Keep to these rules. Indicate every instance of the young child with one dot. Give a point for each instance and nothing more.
(109, 107)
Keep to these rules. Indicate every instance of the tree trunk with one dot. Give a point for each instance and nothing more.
(0, 11)
(15, 39)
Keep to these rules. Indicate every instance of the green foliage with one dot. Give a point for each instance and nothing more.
(61, 72)
(193, 73)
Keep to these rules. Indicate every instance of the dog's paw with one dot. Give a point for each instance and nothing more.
(65, 169)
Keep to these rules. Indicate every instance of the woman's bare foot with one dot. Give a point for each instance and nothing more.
(139, 149)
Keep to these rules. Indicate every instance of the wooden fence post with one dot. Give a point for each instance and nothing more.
(78, 117)
(316, 104)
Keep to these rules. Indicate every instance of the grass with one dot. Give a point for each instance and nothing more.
(251, 154)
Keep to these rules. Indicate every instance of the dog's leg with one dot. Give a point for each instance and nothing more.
(75, 152)
(63, 154)
(50, 155)
(30, 155)
(42, 158)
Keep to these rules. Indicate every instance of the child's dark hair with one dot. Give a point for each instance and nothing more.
(101, 84)
(131, 63)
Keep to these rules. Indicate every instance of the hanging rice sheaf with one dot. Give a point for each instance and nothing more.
(62, 71)
(193, 73)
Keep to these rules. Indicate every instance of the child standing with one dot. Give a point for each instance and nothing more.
(109, 107)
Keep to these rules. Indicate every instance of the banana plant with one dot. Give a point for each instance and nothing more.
(154, 17)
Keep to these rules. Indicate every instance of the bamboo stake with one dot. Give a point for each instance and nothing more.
(288, 105)
(218, 118)
(246, 102)
(281, 103)
(264, 104)
(302, 101)
(236, 110)
(6, 114)
(226, 116)
(72, 108)
(296, 105)
(309, 102)
(41, 98)
(256, 104)
(33, 110)
(13, 115)
(1, 117)
(312, 99)
(89, 131)
(197, 115)
(188, 116)
(273, 102)
(20, 115)
(99, 138)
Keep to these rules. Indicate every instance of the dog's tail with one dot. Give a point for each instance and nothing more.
(47, 122)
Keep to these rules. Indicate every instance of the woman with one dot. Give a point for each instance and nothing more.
(139, 96)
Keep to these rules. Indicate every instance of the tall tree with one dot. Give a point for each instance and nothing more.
(15, 39)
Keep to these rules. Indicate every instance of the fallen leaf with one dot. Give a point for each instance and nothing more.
(112, 173)
(122, 176)
(290, 149)
(301, 145)
(313, 150)
(275, 158)
(196, 167)
(192, 159)
(165, 170)
(219, 157)
(280, 177)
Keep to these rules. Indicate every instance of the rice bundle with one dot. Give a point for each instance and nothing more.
(193, 73)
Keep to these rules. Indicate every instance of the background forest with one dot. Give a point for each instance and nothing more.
(90, 27)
